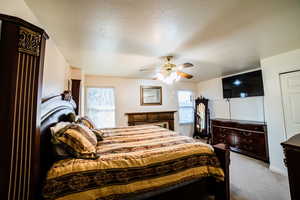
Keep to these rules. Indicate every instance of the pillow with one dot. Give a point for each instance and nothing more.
(58, 127)
(77, 140)
(98, 134)
(60, 152)
(86, 121)
(58, 149)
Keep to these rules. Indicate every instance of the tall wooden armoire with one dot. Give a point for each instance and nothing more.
(22, 49)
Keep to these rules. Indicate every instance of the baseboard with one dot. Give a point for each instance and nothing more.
(278, 170)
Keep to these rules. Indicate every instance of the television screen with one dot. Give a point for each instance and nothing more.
(243, 85)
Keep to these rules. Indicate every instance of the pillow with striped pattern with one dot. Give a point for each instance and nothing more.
(78, 140)
(99, 134)
(86, 121)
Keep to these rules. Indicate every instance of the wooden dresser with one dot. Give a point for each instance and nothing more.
(292, 154)
(157, 118)
(245, 137)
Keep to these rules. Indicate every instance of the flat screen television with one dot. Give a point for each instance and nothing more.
(243, 85)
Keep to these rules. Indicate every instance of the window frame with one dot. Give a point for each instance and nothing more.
(192, 106)
(99, 87)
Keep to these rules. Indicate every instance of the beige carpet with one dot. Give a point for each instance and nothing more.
(252, 180)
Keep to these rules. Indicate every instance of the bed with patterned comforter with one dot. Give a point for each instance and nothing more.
(133, 160)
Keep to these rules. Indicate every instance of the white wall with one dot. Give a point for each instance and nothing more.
(128, 97)
(56, 70)
(250, 108)
(212, 90)
(271, 68)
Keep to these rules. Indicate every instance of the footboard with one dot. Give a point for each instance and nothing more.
(223, 189)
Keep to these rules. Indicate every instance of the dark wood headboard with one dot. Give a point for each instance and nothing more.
(53, 109)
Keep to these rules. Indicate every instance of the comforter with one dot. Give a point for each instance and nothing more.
(133, 160)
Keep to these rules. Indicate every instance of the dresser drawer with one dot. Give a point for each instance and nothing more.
(244, 126)
(153, 117)
(254, 144)
(218, 136)
(166, 116)
(259, 128)
(138, 118)
(229, 131)
(221, 135)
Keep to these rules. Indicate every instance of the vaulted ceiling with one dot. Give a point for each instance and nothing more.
(118, 37)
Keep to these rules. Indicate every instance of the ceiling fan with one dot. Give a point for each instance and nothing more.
(170, 72)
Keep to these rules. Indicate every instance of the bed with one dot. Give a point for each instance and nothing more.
(138, 162)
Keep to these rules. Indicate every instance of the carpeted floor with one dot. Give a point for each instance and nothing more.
(252, 180)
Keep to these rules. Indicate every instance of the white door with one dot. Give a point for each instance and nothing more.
(290, 86)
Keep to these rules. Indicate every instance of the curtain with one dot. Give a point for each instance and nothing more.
(100, 106)
(186, 106)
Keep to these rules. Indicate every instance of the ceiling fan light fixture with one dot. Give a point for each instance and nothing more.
(170, 73)
(160, 77)
(177, 78)
(169, 79)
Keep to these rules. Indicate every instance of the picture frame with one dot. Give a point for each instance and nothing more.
(151, 95)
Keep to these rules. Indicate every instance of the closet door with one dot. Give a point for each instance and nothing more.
(21, 66)
(290, 86)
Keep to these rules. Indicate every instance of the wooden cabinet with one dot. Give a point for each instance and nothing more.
(246, 137)
(292, 154)
(22, 47)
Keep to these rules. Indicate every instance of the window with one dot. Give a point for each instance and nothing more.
(186, 106)
(100, 106)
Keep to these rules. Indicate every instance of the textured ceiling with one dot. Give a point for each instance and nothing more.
(118, 37)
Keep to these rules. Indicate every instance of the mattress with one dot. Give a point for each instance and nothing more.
(133, 160)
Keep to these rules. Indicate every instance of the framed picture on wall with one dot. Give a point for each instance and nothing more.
(151, 95)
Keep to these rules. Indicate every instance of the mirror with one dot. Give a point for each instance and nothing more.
(202, 115)
(201, 129)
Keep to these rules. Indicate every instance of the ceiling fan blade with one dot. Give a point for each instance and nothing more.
(185, 65)
(184, 75)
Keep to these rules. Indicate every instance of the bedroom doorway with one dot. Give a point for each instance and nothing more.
(290, 88)
(100, 106)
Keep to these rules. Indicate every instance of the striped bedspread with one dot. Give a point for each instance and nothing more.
(133, 160)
